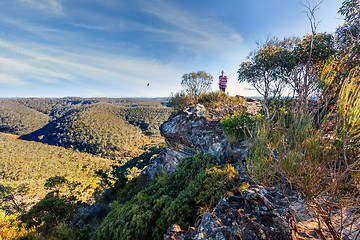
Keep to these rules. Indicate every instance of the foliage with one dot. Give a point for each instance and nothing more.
(11, 227)
(115, 128)
(310, 54)
(50, 212)
(296, 62)
(293, 151)
(148, 118)
(264, 70)
(322, 48)
(178, 198)
(63, 232)
(9, 196)
(26, 165)
(350, 9)
(58, 107)
(139, 162)
(195, 83)
(238, 125)
(348, 111)
(220, 99)
(181, 100)
(54, 208)
(210, 100)
(55, 183)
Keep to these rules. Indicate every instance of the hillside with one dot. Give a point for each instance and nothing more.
(18, 119)
(57, 107)
(28, 164)
(148, 119)
(103, 129)
(116, 128)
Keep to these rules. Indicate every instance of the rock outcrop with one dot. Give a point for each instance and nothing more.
(188, 133)
(258, 213)
(249, 216)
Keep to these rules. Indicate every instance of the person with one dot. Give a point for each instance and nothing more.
(222, 81)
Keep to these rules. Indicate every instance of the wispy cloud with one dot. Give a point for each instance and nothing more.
(189, 29)
(29, 64)
(48, 6)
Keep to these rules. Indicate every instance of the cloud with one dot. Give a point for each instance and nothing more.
(189, 29)
(47, 6)
(29, 64)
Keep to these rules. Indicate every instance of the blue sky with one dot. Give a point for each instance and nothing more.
(113, 48)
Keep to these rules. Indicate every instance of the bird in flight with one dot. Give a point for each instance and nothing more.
(148, 84)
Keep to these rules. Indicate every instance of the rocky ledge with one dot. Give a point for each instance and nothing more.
(258, 213)
(190, 132)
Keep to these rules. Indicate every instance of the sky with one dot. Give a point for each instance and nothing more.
(115, 48)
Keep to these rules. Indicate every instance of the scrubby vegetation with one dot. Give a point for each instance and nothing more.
(238, 126)
(118, 129)
(26, 165)
(11, 227)
(180, 198)
(210, 100)
(312, 149)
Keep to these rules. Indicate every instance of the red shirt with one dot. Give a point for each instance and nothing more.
(222, 81)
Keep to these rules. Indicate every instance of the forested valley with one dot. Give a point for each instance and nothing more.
(65, 145)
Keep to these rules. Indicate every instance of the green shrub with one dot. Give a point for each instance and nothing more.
(179, 198)
(219, 98)
(322, 165)
(50, 212)
(54, 209)
(239, 125)
(63, 232)
(181, 100)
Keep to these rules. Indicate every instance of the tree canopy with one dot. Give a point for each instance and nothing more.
(195, 83)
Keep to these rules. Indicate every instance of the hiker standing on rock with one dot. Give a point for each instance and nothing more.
(222, 81)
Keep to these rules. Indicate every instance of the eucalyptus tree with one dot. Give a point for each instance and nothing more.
(264, 70)
(195, 83)
(308, 57)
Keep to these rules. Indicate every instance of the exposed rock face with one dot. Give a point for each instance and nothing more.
(250, 216)
(188, 133)
(253, 105)
(242, 217)
(175, 233)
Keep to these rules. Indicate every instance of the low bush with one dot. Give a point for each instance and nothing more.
(238, 125)
(179, 101)
(322, 166)
(11, 227)
(179, 198)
